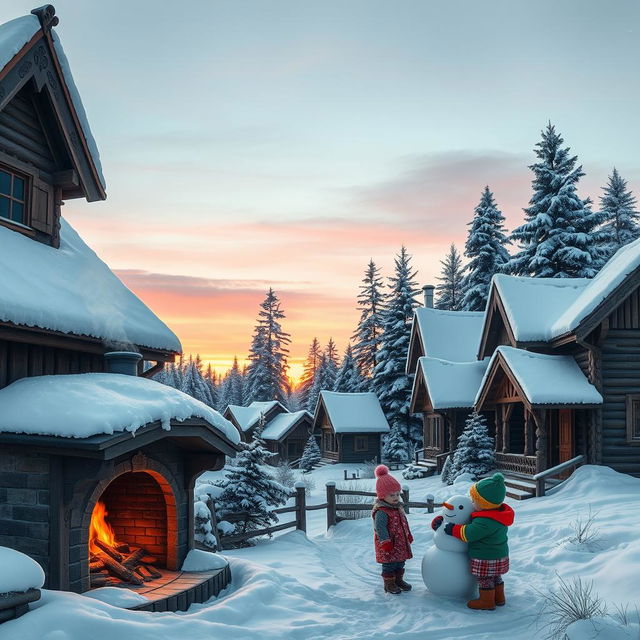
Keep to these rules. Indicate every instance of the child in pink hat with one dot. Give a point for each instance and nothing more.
(392, 537)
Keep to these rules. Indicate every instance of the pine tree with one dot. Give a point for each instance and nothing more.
(324, 380)
(450, 292)
(621, 221)
(311, 455)
(310, 366)
(247, 489)
(390, 382)
(332, 352)
(211, 380)
(485, 248)
(475, 453)
(394, 448)
(369, 330)
(447, 467)
(348, 379)
(559, 238)
(194, 384)
(267, 372)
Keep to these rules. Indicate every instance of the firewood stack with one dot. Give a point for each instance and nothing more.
(121, 565)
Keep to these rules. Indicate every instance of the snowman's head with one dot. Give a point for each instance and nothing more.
(457, 509)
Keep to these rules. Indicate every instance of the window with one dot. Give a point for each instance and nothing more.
(13, 189)
(330, 443)
(362, 443)
(633, 418)
(432, 432)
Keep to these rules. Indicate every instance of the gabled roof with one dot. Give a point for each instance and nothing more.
(70, 290)
(447, 335)
(448, 385)
(284, 423)
(352, 412)
(248, 417)
(31, 50)
(95, 405)
(542, 379)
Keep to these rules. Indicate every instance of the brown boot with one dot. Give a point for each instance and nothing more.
(405, 586)
(500, 600)
(390, 585)
(487, 600)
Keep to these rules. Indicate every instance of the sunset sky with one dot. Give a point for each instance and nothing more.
(249, 144)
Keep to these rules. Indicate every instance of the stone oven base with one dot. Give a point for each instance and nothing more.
(178, 590)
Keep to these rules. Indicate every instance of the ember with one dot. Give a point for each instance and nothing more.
(114, 563)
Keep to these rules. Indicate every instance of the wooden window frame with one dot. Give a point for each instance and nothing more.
(358, 440)
(26, 201)
(631, 413)
(330, 440)
(434, 431)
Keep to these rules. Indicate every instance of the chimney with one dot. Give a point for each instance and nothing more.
(428, 295)
(125, 362)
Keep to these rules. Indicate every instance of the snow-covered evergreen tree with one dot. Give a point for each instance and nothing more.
(325, 380)
(348, 379)
(194, 384)
(309, 373)
(390, 382)
(232, 387)
(450, 291)
(267, 372)
(559, 238)
(394, 448)
(248, 490)
(366, 339)
(485, 248)
(475, 453)
(445, 475)
(621, 221)
(202, 525)
(332, 353)
(311, 454)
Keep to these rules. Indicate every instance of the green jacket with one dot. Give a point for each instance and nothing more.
(486, 535)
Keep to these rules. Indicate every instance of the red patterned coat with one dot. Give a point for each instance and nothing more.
(399, 533)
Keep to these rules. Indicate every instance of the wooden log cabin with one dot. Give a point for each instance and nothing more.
(562, 373)
(61, 310)
(286, 436)
(350, 426)
(246, 419)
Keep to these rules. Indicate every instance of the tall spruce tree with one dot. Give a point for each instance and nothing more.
(348, 379)
(309, 373)
(332, 352)
(621, 221)
(394, 448)
(390, 382)
(366, 339)
(267, 371)
(559, 238)
(475, 453)
(485, 248)
(232, 387)
(450, 291)
(325, 380)
(194, 384)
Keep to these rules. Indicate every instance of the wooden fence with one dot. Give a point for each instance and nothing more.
(300, 509)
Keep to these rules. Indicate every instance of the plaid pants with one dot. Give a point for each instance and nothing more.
(489, 572)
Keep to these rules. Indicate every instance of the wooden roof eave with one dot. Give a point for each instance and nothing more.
(494, 305)
(75, 342)
(194, 435)
(500, 364)
(420, 384)
(415, 346)
(292, 428)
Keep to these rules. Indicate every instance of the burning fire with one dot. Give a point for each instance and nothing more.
(100, 528)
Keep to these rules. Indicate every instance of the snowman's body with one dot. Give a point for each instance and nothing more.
(445, 566)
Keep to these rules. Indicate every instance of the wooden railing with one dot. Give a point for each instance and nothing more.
(516, 463)
(300, 509)
(542, 477)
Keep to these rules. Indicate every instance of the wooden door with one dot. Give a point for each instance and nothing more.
(565, 437)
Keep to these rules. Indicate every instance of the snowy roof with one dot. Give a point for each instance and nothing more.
(452, 385)
(282, 423)
(449, 335)
(13, 36)
(545, 379)
(248, 417)
(71, 290)
(83, 405)
(354, 412)
(533, 305)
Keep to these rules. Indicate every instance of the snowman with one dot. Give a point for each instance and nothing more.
(445, 566)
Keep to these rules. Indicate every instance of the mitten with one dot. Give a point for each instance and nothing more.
(410, 539)
(448, 528)
(436, 522)
(386, 546)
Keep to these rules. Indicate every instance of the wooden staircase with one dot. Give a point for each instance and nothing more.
(429, 466)
(521, 487)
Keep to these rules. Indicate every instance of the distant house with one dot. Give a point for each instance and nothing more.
(287, 434)
(246, 419)
(554, 363)
(350, 426)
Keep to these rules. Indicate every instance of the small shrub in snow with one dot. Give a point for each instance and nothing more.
(203, 528)
(284, 475)
(475, 452)
(567, 604)
(368, 469)
(414, 471)
(311, 454)
(585, 534)
(309, 484)
(352, 514)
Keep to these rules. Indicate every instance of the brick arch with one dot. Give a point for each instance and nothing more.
(139, 463)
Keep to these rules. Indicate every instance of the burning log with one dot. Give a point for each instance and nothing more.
(112, 553)
(133, 559)
(96, 565)
(120, 571)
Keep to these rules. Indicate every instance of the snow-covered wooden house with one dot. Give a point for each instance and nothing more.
(350, 426)
(287, 434)
(67, 424)
(246, 419)
(556, 367)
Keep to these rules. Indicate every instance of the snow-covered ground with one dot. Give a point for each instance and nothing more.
(327, 585)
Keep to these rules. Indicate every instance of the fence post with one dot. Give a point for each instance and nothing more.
(345, 474)
(430, 503)
(331, 504)
(405, 497)
(211, 505)
(301, 505)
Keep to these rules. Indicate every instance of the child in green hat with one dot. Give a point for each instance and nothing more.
(486, 536)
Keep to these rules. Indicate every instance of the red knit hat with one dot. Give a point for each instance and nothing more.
(385, 484)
